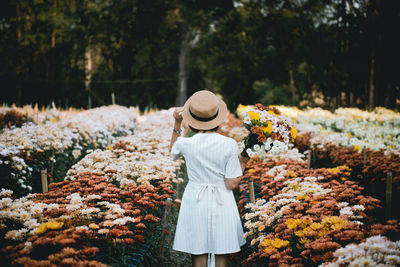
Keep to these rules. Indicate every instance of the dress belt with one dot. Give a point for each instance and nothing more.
(211, 191)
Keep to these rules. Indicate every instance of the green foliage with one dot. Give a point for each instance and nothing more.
(271, 94)
(314, 45)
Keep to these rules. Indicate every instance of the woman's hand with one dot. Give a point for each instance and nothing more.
(178, 114)
(243, 162)
(177, 126)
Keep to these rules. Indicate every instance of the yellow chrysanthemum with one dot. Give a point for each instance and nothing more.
(54, 225)
(292, 223)
(254, 116)
(316, 226)
(293, 133)
(276, 243)
(41, 229)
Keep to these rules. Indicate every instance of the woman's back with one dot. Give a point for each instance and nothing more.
(210, 157)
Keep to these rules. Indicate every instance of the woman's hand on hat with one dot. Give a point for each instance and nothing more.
(178, 114)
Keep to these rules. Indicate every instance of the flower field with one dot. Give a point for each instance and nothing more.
(56, 141)
(112, 177)
(312, 216)
(107, 210)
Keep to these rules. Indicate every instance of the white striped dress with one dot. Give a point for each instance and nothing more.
(209, 220)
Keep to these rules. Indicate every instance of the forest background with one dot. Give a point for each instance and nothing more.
(327, 53)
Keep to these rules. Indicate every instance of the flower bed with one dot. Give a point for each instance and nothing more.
(57, 144)
(106, 212)
(302, 215)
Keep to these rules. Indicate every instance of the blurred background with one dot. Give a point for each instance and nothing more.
(326, 53)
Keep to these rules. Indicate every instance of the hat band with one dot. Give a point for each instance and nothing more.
(203, 119)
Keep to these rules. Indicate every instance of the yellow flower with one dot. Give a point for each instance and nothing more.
(299, 233)
(291, 174)
(276, 243)
(254, 116)
(292, 223)
(41, 229)
(109, 148)
(293, 133)
(267, 129)
(305, 240)
(301, 197)
(316, 226)
(356, 148)
(54, 225)
(53, 120)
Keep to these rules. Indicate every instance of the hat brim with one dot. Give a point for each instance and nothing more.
(205, 125)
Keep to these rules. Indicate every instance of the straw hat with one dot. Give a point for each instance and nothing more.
(204, 110)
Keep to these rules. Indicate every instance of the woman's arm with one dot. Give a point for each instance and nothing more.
(177, 126)
(232, 183)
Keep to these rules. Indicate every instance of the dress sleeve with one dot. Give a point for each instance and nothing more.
(232, 168)
(176, 149)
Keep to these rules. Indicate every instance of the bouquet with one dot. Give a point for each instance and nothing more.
(270, 132)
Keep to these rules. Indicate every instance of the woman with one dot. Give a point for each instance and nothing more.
(209, 225)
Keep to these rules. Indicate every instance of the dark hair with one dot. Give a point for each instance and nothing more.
(197, 130)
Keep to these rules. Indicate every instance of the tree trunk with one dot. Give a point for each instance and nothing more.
(292, 86)
(88, 68)
(371, 79)
(18, 69)
(183, 66)
(53, 33)
(351, 99)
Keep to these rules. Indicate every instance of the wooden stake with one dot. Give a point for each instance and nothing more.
(164, 225)
(309, 159)
(251, 192)
(388, 195)
(52, 165)
(45, 187)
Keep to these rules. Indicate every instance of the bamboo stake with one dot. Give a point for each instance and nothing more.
(388, 195)
(164, 225)
(251, 192)
(52, 165)
(309, 159)
(45, 187)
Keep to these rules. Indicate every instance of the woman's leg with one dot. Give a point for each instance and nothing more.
(220, 260)
(199, 260)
